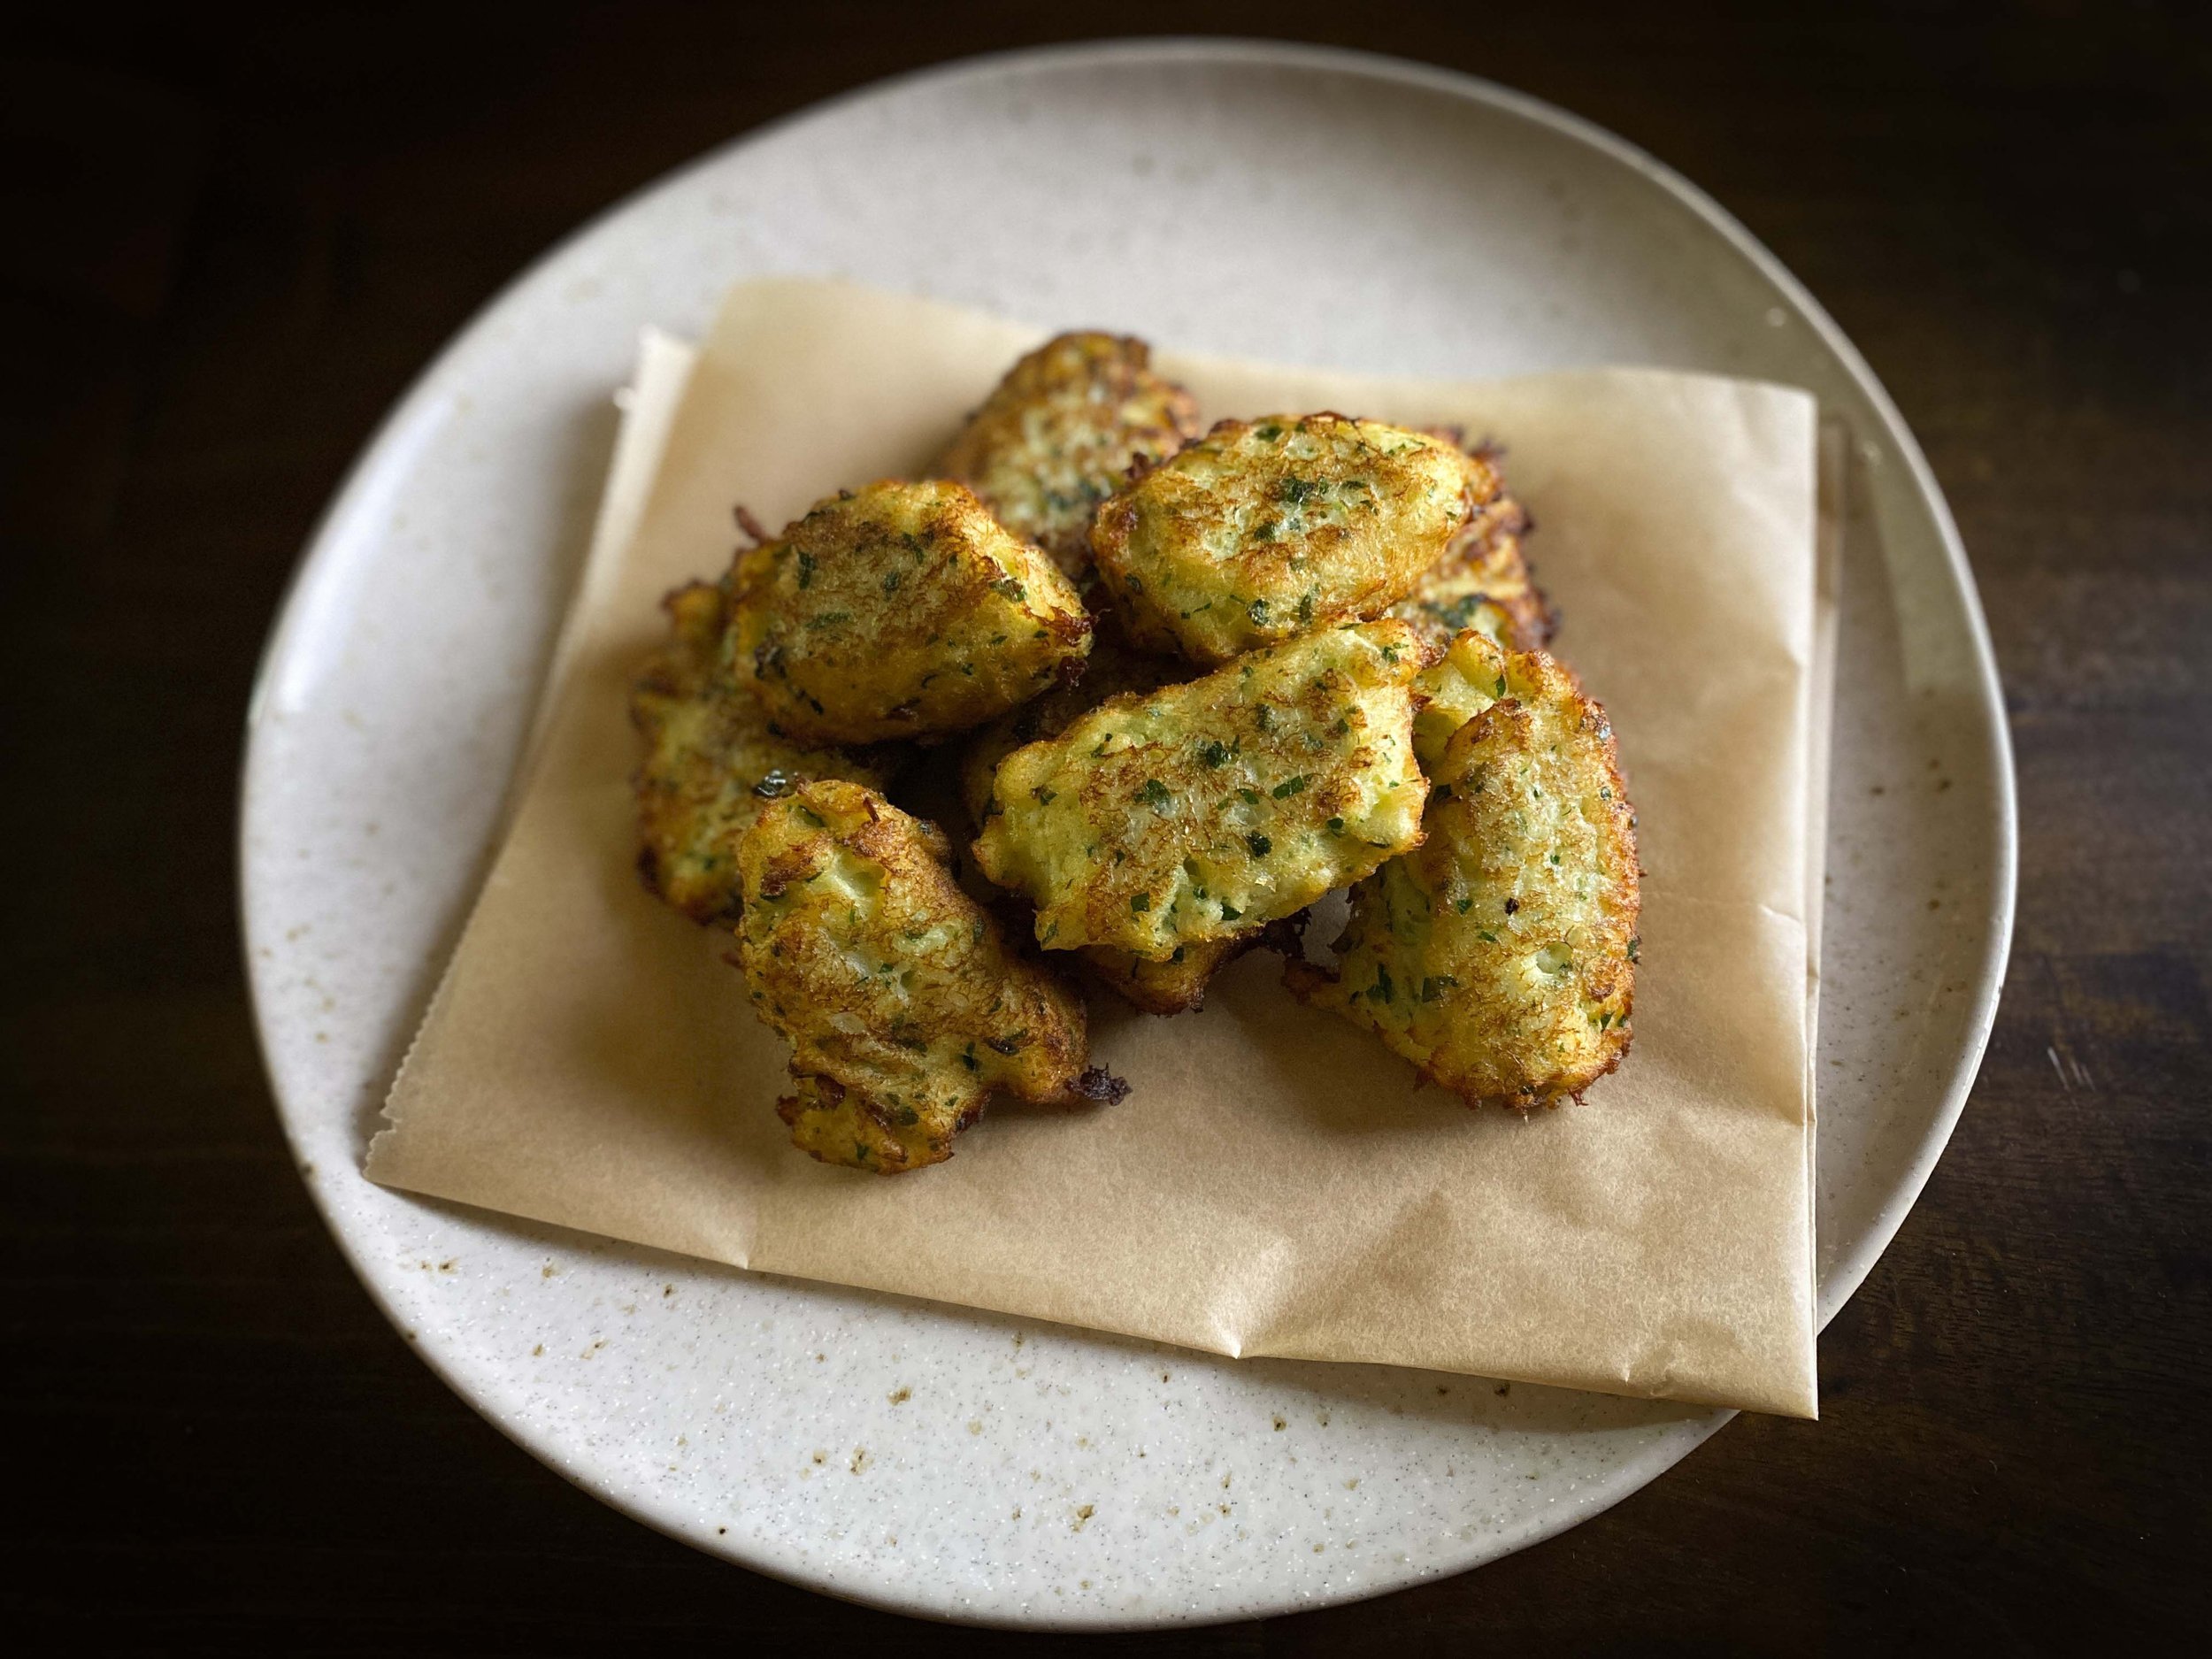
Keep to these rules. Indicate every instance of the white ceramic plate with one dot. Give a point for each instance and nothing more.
(1269, 201)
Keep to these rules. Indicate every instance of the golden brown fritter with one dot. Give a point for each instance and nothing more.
(1165, 819)
(890, 983)
(1500, 956)
(900, 610)
(1483, 582)
(1175, 986)
(834, 1125)
(1111, 670)
(1264, 530)
(1178, 984)
(1060, 433)
(712, 762)
(1467, 680)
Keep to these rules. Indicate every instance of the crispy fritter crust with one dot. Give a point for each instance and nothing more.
(1264, 530)
(1060, 433)
(1468, 677)
(1178, 984)
(895, 989)
(713, 761)
(1111, 670)
(834, 1125)
(1483, 582)
(1198, 813)
(902, 610)
(1500, 957)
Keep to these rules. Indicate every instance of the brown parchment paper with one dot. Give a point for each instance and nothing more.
(1275, 1184)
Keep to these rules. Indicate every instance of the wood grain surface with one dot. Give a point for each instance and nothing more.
(229, 243)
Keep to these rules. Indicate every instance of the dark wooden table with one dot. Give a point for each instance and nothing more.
(227, 247)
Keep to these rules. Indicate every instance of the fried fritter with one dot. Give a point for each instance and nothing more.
(1111, 670)
(1468, 677)
(1264, 530)
(1175, 986)
(1483, 582)
(1178, 984)
(1194, 813)
(1500, 956)
(900, 610)
(904, 1006)
(834, 1125)
(714, 762)
(1060, 433)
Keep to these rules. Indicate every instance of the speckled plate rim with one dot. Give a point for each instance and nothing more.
(1846, 1269)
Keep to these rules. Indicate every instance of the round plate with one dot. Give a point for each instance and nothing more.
(1270, 201)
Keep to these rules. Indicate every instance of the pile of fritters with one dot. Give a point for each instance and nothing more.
(1184, 685)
